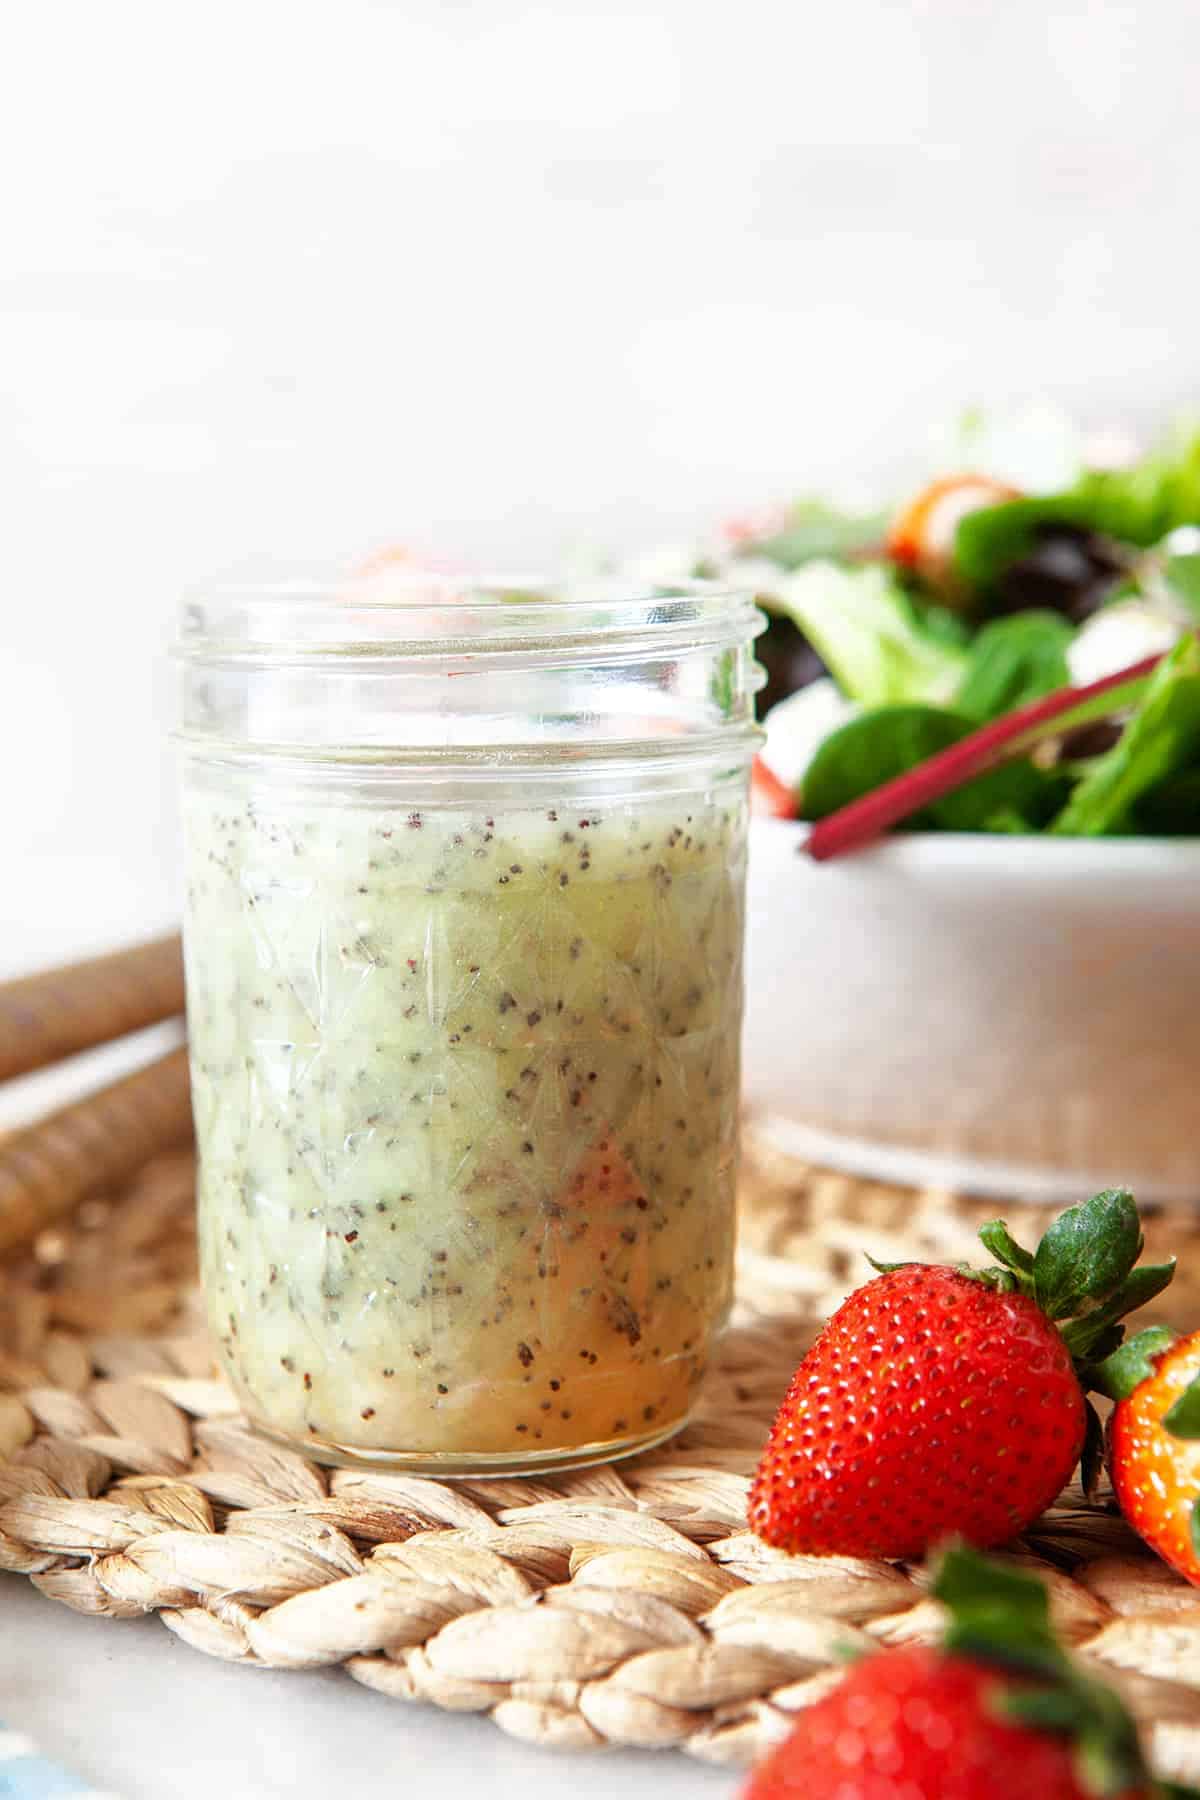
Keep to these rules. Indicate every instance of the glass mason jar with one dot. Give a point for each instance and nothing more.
(463, 934)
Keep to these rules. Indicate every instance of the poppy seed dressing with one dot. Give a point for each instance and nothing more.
(465, 1084)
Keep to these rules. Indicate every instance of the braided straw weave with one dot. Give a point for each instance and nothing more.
(621, 1605)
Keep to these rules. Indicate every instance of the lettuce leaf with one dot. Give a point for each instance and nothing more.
(1160, 742)
(879, 745)
(1138, 505)
(1014, 660)
(815, 530)
(870, 636)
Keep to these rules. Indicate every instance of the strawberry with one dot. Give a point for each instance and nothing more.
(995, 1712)
(1154, 1441)
(944, 1402)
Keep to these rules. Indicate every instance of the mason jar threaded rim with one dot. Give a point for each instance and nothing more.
(430, 615)
(434, 668)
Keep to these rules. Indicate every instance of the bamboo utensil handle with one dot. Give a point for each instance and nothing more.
(46, 1169)
(48, 1016)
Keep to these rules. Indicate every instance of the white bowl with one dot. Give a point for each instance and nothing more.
(1001, 1015)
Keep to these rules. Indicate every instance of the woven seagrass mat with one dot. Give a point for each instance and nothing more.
(621, 1605)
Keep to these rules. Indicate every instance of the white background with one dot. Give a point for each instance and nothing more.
(294, 279)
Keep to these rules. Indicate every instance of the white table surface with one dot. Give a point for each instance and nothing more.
(136, 1713)
(141, 1716)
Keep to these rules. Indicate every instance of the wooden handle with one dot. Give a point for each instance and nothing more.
(48, 1016)
(46, 1169)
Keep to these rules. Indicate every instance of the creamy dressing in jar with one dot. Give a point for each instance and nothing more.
(464, 1027)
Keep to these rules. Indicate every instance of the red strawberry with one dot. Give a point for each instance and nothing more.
(937, 1402)
(1154, 1442)
(996, 1713)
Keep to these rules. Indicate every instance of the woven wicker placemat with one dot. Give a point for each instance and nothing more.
(622, 1605)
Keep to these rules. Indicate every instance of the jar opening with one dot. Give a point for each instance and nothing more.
(407, 660)
(413, 612)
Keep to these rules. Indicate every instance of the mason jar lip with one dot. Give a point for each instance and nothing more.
(416, 611)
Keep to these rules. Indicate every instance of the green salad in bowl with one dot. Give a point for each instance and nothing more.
(896, 634)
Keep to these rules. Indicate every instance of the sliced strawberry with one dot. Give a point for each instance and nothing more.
(1154, 1442)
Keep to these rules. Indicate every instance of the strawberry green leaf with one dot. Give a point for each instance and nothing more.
(1086, 1337)
(997, 1613)
(1183, 1419)
(1126, 1369)
(1000, 1615)
(996, 1237)
(1107, 1750)
(1091, 1462)
(1139, 1287)
(1087, 1253)
(1196, 1526)
(1002, 1281)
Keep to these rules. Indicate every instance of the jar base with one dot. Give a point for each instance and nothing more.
(465, 1466)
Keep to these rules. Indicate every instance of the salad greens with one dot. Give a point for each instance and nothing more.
(1160, 744)
(975, 599)
(870, 636)
(813, 529)
(1138, 506)
(1181, 574)
(1014, 660)
(884, 743)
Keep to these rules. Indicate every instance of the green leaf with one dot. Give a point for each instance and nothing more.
(1053, 1709)
(1139, 1287)
(1182, 576)
(996, 1237)
(1138, 505)
(1013, 661)
(1001, 1281)
(883, 743)
(1000, 1615)
(1126, 1369)
(997, 1613)
(871, 749)
(869, 634)
(1161, 739)
(1183, 1419)
(1110, 1339)
(1195, 1529)
(1171, 808)
(1084, 1337)
(945, 627)
(1087, 1253)
(1091, 1462)
(1107, 1750)
(815, 530)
